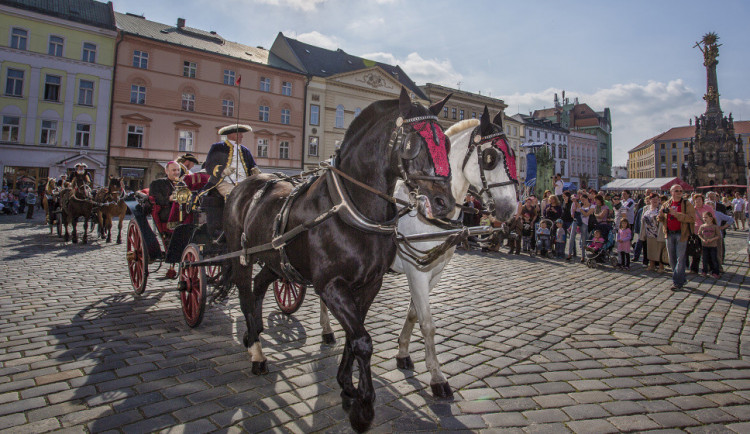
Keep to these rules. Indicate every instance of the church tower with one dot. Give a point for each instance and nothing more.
(715, 156)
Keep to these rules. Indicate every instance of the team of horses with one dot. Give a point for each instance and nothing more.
(65, 204)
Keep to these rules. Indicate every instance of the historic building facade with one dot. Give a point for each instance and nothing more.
(339, 87)
(175, 86)
(56, 67)
(581, 117)
(715, 157)
(661, 156)
(584, 167)
(462, 104)
(549, 134)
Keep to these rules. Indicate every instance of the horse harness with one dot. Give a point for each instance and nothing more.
(488, 159)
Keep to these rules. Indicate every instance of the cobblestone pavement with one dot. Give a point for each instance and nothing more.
(528, 345)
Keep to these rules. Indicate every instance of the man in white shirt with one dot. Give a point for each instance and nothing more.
(738, 208)
(559, 184)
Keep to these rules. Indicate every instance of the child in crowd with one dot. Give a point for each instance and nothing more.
(543, 238)
(559, 240)
(596, 242)
(527, 231)
(624, 236)
(709, 234)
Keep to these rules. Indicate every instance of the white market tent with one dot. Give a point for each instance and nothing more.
(661, 184)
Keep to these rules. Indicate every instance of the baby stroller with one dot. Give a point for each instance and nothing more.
(604, 254)
(550, 251)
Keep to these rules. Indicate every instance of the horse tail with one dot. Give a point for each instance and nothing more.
(224, 282)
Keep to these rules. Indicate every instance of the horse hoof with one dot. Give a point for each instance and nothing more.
(246, 340)
(75, 241)
(260, 368)
(405, 363)
(108, 240)
(442, 391)
(119, 241)
(361, 416)
(329, 339)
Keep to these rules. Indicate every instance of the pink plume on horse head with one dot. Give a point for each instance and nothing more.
(510, 159)
(439, 150)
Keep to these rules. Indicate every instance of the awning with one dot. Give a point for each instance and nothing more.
(661, 184)
(708, 187)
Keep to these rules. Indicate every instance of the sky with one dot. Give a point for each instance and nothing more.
(636, 57)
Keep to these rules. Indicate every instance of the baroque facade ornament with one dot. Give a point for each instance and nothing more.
(374, 80)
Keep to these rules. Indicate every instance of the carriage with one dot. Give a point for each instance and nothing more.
(153, 241)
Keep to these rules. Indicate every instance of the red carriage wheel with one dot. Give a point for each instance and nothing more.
(192, 287)
(212, 271)
(289, 295)
(137, 256)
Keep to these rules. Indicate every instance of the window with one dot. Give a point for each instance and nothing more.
(52, 88)
(461, 115)
(188, 102)
(186, 141)
(49, 133)
(140, 59)
(263, 113)
(357, 111)
(286, 88)
(286, 116)
(83, 135)
(312, 146)
(314, 115)
(284, 150)
(137, 94)
(14, 83)
(473, 115)
(262, 148)
(265, 84)
(229, 77)
(135, 136)
(86, 93)
(227, 107)
(339, 116)
(18, 38)
(55, 46)
(10, 129)
(189, 68)
(89, 52)
(453, 113)
(445, 112)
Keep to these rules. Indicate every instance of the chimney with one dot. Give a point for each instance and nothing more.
(563, 96)
(180, 23)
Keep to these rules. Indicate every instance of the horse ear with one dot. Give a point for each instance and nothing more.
(438, 106)
(485, 127)
(498, 120)
(404, 103)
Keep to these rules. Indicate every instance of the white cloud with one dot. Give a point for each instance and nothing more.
(302, 5)
(639, 111)
(421, 70)
(320, 40)
(365, 25)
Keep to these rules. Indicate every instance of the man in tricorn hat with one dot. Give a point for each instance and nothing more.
(81, 175)
(228, 163)
(187, 162)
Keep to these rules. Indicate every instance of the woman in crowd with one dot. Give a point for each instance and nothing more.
(601, 209)
(723, 221)
(700, 209)
(655, 241)
(553, 210)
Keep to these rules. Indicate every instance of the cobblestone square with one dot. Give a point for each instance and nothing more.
(528, 345)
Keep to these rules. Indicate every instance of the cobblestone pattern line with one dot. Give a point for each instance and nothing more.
(528, 345)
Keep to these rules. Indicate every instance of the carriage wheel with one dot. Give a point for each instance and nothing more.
(614, 261)
(193, 290)
(289, 295)
(137, 258)
(212, 272)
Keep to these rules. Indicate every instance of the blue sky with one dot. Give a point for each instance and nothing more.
(635, 57)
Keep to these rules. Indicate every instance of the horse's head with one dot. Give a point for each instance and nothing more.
(489, 163)
(419, 149)
(115, 184)
(81, 189)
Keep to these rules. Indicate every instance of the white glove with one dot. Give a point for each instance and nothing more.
(228, 171)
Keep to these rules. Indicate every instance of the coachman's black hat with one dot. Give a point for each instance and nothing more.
(190, 157)
(234, 128)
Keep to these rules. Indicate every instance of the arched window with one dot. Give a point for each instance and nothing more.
(357, 111)
(340, 116)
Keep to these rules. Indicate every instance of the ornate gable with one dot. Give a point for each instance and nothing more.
(374, 78)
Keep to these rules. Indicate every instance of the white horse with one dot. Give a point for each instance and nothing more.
(480, 156)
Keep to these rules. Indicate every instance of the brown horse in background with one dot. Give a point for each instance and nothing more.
(76, 201)
(111, 204)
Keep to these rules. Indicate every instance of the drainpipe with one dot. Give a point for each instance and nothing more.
(304, 123)
(111, 108)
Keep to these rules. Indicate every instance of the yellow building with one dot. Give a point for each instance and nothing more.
(56, 65)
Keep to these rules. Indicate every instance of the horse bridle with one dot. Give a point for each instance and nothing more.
(408, 151)
(487, 160)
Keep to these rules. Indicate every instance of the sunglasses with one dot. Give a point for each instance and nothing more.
(677, 191)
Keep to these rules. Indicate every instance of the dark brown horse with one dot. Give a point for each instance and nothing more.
(345, 257)
(111, 204)
(76, 201)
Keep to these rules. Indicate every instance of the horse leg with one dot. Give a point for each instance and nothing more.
(74, 222)
(421, 302)
(99, 219)
(325, 323)
(251, 303)
(338, 297)
(66, 222)
(119, 228)
(85, 229)
(108, 226)
(403, 359)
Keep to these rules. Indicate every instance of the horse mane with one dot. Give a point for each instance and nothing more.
(461, 126)
(372, 113)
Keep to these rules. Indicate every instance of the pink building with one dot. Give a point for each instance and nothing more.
(174, 87)
(583, 158)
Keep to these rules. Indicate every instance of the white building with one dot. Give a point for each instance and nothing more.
(583, 158)
(552, 135)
